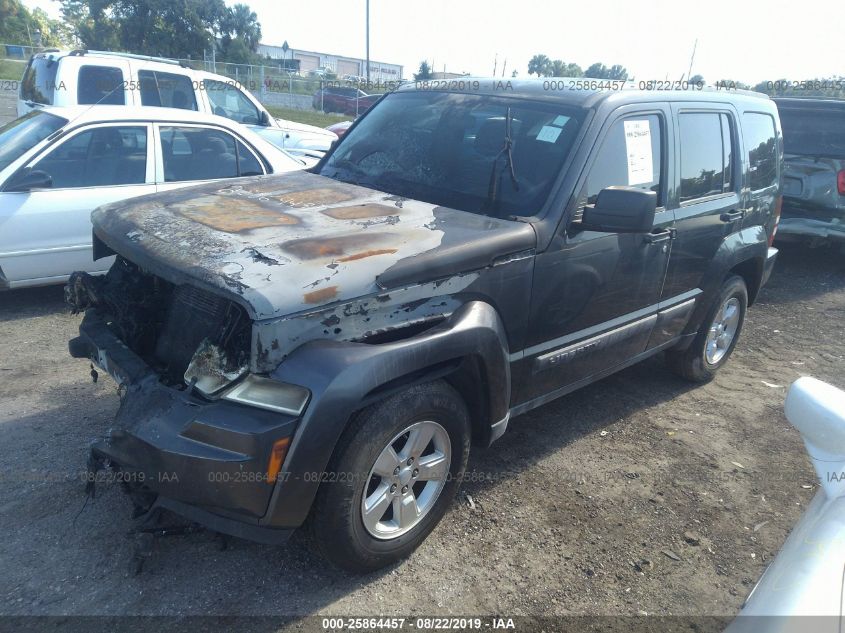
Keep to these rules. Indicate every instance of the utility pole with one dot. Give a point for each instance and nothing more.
(368, 42)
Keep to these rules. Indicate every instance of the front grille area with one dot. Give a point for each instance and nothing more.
(165, 324)
(193, 316)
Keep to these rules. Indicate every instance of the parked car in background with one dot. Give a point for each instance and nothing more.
(331, 342)
(814, 178)
(59, 164)
(803, 587)
(81, 77)
(343, 100)
(322, 71)
(339, 128)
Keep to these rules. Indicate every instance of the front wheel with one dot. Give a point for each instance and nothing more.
(715, 342)
(393, 475)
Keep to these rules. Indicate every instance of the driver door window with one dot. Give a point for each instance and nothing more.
(226, 100)
(630, 156)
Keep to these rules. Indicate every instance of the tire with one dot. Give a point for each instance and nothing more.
(396, 527)
(700, 361)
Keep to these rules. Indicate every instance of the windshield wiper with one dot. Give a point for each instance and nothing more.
(507, 151)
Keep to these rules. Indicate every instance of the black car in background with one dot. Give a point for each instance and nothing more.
(814, 176)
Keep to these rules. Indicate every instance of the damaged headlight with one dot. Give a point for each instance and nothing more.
(269, 394)
(210, 369)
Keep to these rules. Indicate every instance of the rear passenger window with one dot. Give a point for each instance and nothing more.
(761, 144)
(102, 157)
(167, 90)
(630, 155)
(706, 155)
(193, 153)
(100, 85)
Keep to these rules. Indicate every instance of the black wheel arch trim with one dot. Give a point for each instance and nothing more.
(344, 376)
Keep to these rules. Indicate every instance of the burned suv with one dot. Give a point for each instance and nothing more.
(323, 347)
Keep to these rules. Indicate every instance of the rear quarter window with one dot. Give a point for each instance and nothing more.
(39, 80)
(758, 130)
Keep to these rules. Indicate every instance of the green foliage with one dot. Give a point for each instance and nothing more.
(309, 117)
(539, 65)
(600, 71)
(696, 79)
(424, 72)
(240, 35)
(170, 28)
(562, 69)
(831, 87)
(19, 25)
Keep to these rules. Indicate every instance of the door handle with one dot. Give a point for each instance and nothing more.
(732, 216)
(659, 236)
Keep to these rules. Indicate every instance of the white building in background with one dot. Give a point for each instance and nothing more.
(340, 64)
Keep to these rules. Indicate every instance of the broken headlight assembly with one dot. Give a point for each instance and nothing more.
(212, 374)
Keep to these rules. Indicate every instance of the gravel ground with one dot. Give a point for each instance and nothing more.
(637, 494)
(8, 103)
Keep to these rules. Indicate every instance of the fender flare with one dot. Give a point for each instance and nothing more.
(341, 374)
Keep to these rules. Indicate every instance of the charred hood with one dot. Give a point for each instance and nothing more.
(284, 244)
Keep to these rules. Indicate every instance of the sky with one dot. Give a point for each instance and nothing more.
(743, 40)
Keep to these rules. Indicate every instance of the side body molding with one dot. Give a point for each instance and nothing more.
(341, 374)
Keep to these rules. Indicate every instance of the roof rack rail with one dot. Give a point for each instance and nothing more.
(146, 58)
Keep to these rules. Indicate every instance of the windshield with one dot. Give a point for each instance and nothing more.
(488, 155)
(813, 132)
(21, 135)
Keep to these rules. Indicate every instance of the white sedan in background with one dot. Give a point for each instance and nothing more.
(59, 164)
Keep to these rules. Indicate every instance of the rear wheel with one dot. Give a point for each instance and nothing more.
(394, 473)
(715, 342)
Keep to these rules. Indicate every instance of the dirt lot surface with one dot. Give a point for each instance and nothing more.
(8, 103)
(638, 494)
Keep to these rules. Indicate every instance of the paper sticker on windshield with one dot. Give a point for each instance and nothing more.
(638, 147)
(548, 133)
(560, 120)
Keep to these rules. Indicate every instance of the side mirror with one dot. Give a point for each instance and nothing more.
(621, 210)
(264, 119)
(29, 180)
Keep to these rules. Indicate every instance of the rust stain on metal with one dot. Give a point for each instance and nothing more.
(335, 247)
(370, 253)
(321, 295)
(233, 215)
(315, 197)
(361, 211)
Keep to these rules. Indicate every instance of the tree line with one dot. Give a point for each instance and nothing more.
(167, 28)
(543, 66)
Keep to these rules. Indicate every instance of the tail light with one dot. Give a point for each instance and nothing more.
(778, 205)
(840, 182)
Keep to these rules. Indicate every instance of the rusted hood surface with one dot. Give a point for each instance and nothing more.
(292, 242)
